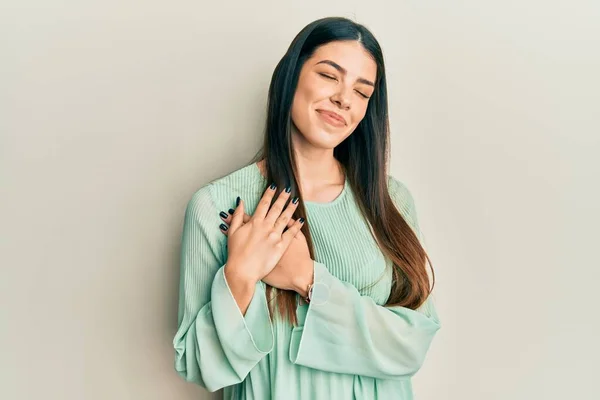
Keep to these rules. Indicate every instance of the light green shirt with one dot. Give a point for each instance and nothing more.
(347, 344)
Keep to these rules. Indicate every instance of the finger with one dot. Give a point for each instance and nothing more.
(224, 229)
(277, 207)
(289, 235)
(290, 223)
(285, 217)
(226, 217)
(265, 203)
(238, 217)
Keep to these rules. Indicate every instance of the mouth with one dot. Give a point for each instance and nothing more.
(332, 118)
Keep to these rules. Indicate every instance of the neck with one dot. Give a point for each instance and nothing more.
(315, 166)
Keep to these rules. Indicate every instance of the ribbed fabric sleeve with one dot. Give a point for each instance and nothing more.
(216, 346)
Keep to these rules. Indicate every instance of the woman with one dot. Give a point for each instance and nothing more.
(315, 286)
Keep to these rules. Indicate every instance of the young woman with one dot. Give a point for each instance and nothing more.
(315, 284)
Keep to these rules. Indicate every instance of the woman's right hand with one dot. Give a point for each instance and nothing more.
(256, 246)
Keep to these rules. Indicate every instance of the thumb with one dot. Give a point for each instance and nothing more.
(238, 217)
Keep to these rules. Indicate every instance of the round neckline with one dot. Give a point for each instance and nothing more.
(312, 203)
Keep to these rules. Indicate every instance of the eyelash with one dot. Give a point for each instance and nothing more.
(332, 78)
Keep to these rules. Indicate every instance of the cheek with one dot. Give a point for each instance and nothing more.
(311, 92)
(299, 108)
(358, 114)
(305, 99)
(300, 113)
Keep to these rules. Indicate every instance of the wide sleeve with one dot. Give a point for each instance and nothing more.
(215, 345)
(343, 331)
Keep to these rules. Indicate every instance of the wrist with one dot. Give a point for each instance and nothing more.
(304, 279)
(241, 287)
(236, 273)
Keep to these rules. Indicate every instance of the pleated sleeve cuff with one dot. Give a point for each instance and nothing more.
(305, 344)
(245, 338)
(342, 331)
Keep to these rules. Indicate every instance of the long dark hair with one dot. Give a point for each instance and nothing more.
(363, 156)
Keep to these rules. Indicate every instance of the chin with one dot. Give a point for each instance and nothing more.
(325, 139)
(321, 135)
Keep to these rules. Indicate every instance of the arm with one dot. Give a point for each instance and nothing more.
(215, 344)
(344, 332)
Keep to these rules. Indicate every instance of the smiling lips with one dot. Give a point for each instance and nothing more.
(332, 118)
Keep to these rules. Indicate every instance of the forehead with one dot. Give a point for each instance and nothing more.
(350, 55)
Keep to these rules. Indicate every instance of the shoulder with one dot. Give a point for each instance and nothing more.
(201, 203)
(221, 192)
(403, 200)
(400, 193)
(237, 180)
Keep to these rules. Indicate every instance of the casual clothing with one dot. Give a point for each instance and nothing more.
(347, 344)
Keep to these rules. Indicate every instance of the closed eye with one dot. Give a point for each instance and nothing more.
(329, 77)
(335, 79)
(362, 94)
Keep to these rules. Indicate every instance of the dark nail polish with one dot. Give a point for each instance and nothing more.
(223, 214)
(288, 189)
(223, 226)
(237, 201)
(231, 211)
(295, 200)
(273, 186)
(301, 220)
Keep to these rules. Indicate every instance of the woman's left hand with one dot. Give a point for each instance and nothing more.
(294, 271)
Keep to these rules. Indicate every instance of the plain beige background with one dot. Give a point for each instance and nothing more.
(112, 113)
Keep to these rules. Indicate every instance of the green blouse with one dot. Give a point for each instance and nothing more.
(347, 344)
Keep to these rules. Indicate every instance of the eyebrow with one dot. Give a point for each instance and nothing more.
(343, 71)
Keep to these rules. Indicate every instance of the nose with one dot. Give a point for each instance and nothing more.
(341, 98)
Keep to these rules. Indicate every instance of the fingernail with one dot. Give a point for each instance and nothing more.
(223, 214)
(295, 200)
(288, 189)
(301, 220)
(237, 201)
(231, 211)
(273, 186)
(223, 226)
